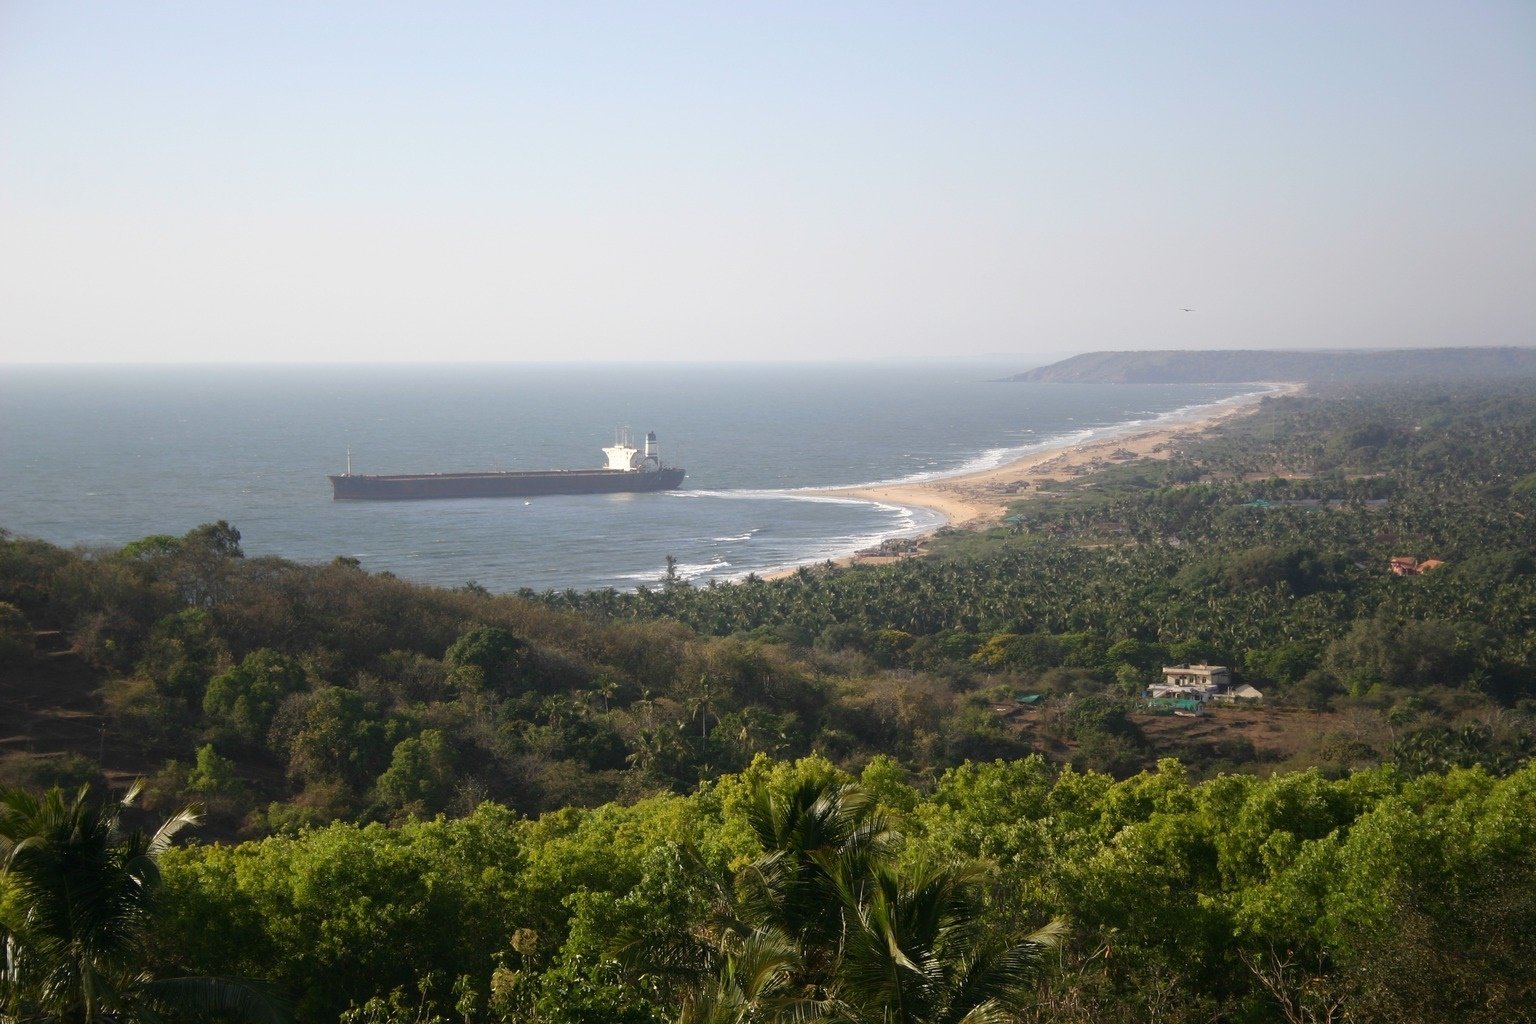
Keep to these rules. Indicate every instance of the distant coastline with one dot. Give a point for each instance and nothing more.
(1236, 366)
(979, 500)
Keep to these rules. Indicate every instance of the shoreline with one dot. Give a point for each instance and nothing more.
(979, 500)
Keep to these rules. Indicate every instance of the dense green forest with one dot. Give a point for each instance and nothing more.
(1012, 891)
(822, 795)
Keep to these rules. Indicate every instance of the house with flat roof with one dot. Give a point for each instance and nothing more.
(1198, 675)
(1193, 682)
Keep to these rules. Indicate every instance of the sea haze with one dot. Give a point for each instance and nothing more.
(105, 455)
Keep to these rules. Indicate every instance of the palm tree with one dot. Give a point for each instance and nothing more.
(605, 688)
(700, 704)
(820, 840)
(917, 952)
(78, 893)
(871, 942)
(754, 982)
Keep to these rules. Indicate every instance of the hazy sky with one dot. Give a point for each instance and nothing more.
(500, 180)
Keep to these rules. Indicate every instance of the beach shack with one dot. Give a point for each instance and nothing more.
(1242, 693)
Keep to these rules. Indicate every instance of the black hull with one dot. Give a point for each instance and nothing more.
(503, 485)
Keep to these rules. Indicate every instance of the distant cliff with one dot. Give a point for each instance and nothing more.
(1227, 366)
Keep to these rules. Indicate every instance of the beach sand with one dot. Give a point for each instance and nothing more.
(978, 501)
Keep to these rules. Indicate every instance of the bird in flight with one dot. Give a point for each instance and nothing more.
(1186, 309)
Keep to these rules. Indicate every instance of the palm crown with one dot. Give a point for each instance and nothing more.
(76, 904)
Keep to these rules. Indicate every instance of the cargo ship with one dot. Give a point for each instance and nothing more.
(629, 470)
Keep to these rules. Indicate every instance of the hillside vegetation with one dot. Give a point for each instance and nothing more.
(1012, 892)
(820, 797)
(282, 694)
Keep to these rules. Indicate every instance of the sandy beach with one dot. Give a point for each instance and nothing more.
(978, 501)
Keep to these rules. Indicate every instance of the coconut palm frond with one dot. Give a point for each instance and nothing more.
(184, 818)
(83, 897)
(218, 997)
(132, 796)
(991, 982)
(1049, 935)
(986, 1013)
(755, 981)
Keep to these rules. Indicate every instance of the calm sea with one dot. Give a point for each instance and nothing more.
(105, 455)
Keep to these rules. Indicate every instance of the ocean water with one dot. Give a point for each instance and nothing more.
(105, 455)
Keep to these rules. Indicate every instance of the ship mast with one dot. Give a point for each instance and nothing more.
(623, 453)
(349, 460)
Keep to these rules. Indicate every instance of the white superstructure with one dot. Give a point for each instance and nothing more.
(623, 454)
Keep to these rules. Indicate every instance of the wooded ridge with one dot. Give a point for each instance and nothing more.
(1240, 365)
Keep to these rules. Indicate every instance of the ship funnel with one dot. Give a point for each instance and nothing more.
(650, 444)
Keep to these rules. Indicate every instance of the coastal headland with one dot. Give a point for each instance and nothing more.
(980, 500)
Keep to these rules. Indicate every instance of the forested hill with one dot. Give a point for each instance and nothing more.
(1224, 366)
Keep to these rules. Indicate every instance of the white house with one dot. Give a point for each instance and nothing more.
(1191, 682)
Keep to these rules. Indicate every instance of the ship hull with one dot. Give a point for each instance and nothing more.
(424, 486)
